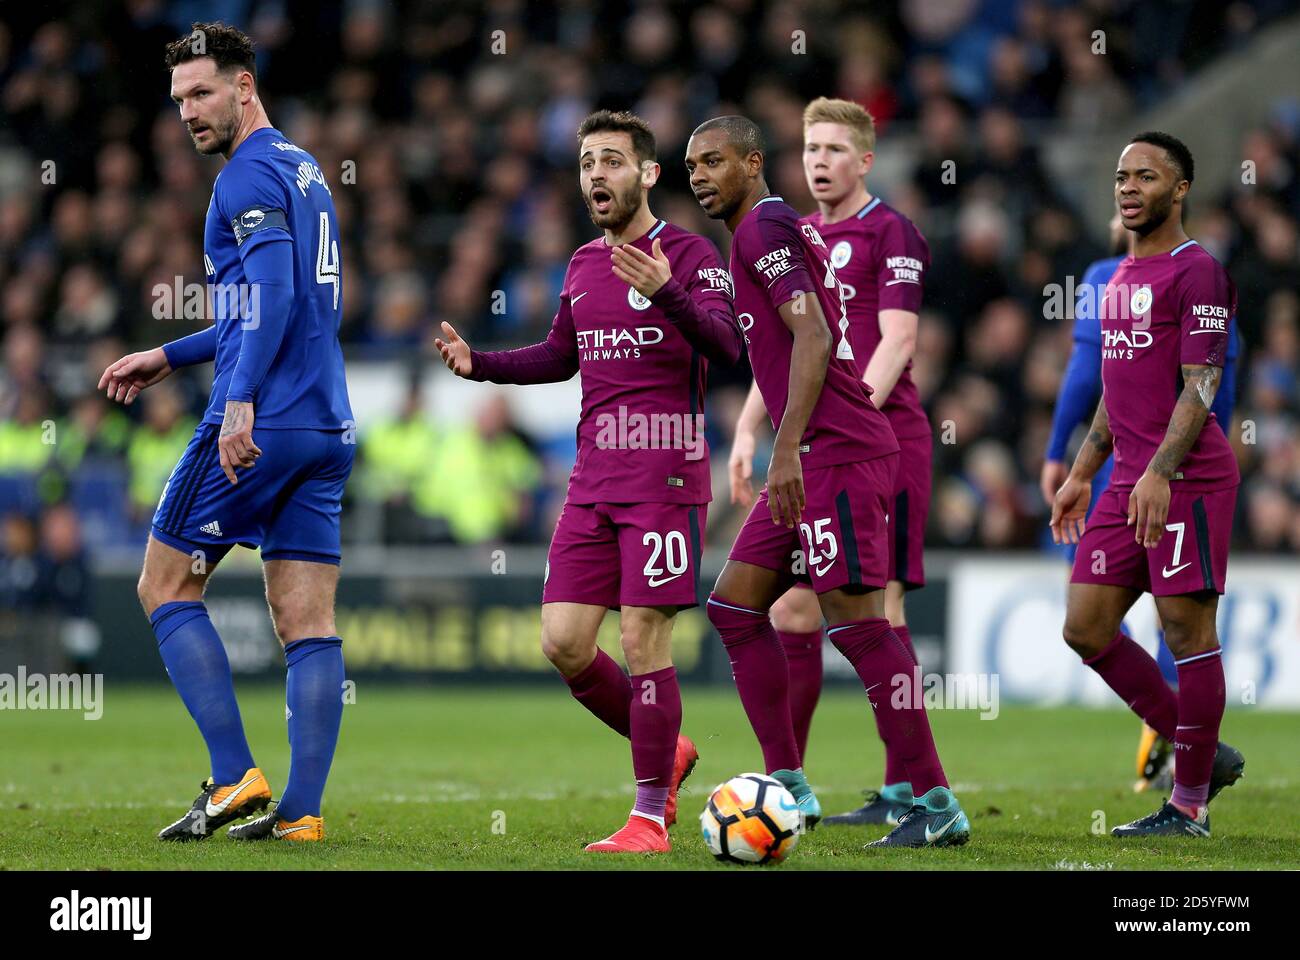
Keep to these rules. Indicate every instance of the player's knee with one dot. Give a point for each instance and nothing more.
(294, 619)
(1083, 638)
(154, 589)
(797, 612)
(1184, 639)
(567, 652)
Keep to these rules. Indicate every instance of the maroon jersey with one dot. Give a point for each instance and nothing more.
(881, 260)
(774, 258)
(640, 432)
(1158, 313)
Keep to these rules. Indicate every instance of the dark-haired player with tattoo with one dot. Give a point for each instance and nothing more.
(271, 254)
(1164, 523)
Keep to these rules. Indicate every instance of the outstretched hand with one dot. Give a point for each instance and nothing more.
(454, 350)
(123, 380)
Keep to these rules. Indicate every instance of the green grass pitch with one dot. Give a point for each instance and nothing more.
(522, 778)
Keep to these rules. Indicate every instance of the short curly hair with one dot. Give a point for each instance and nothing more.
(228, 46)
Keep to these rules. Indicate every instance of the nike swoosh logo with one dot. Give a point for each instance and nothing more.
(278, 833)
(216, 809)
(821, 571)
(931, 837)
(575, 300)
(1167, 573)
(659, 583)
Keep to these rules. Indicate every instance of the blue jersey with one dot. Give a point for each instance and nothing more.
(273, 191)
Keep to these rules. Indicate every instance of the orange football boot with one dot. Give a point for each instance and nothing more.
(683, 763)
(638, 836)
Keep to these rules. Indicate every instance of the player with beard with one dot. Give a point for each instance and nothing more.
(880, 259)
(643, 310)
(270, 246)
(821, 516)
(1075, 402)
(1164, 523)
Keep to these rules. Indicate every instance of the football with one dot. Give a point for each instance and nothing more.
(751, 818)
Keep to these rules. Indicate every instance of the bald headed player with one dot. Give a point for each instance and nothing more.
(1164, 523)
(880, 259)
(830, 484)
(643, 309)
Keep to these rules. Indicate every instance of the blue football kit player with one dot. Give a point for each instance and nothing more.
(1075, 403)
(267, 465)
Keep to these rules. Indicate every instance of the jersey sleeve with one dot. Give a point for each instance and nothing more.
(1207, 300)
(697, 300)
(775, 254)
(902, 259)
(253, 200)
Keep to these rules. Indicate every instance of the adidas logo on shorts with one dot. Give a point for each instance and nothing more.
(212, 529)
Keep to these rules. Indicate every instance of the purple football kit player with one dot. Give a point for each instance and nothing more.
(821, 516)
(880, 259)
(643, 309)
(1163, 524)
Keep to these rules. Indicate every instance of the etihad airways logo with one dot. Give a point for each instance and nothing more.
(618, 343)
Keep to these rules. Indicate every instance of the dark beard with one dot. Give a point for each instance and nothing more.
(621, 211)
(222, 138)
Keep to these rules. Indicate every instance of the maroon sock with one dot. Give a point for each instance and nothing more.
(904, 634)
(1132, 673)
(878, 657)
(803, 657)
(1201, 698)
(762, 679)
(656, 711)
(895, 769)
(604, 689)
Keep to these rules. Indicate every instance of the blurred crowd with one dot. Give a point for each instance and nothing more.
(446, 131)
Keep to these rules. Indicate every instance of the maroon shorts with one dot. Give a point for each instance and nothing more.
(840, 539)
(639, 554)
(909, 511)
(1192, 554)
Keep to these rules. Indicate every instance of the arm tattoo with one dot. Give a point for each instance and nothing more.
(236, 418)
(1097, 447)
(1200, 383)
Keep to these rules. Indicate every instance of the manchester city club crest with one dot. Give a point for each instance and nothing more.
(636, 301)
(841, 253)
(1140, 302)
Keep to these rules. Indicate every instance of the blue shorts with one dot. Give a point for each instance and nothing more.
(288, 502)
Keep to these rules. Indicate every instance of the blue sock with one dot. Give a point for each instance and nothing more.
(314, 697)
(1165, 660)
(197, 664)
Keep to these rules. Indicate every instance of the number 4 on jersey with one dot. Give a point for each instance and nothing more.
(327, 258)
